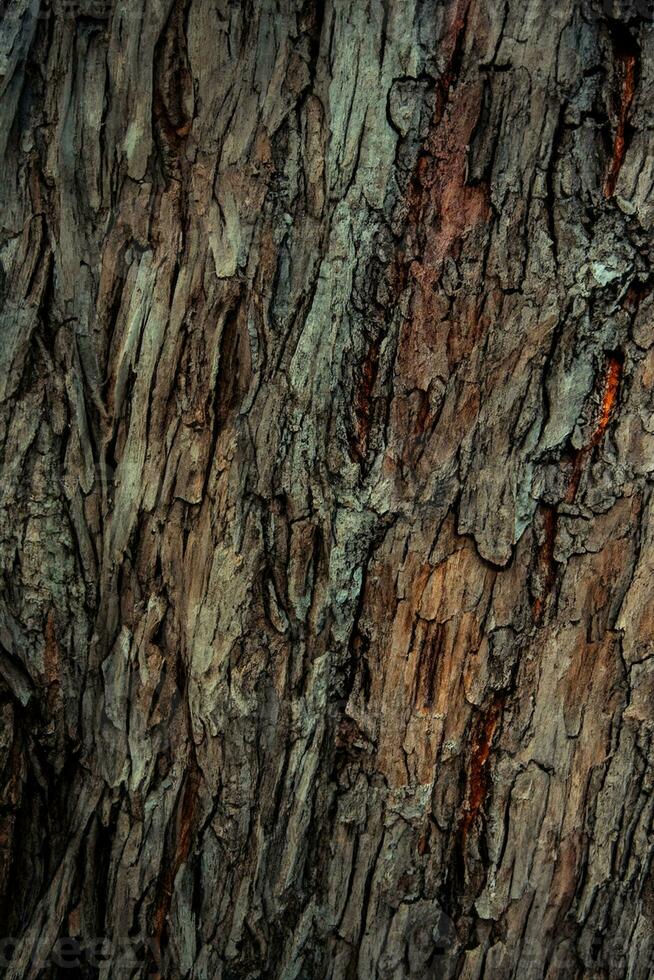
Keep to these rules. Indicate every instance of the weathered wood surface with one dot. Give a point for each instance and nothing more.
(326, 527)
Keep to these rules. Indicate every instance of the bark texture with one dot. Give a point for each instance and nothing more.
(326, 515)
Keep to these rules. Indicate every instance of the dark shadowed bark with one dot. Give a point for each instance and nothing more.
(326, 516)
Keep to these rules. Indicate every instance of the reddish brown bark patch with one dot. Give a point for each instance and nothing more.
(181, 850)
(627, 65)
(363, 401)
(545, 563)
(478, 777)
(443, 212)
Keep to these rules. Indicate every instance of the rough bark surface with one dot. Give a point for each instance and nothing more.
(326, 515)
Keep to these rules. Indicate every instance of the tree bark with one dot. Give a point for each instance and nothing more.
(326, 524)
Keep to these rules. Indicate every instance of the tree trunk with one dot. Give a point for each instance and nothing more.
(327, 529)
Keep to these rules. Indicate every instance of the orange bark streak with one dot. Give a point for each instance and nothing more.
(609, 397)
(628, 62)
(607, 407)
